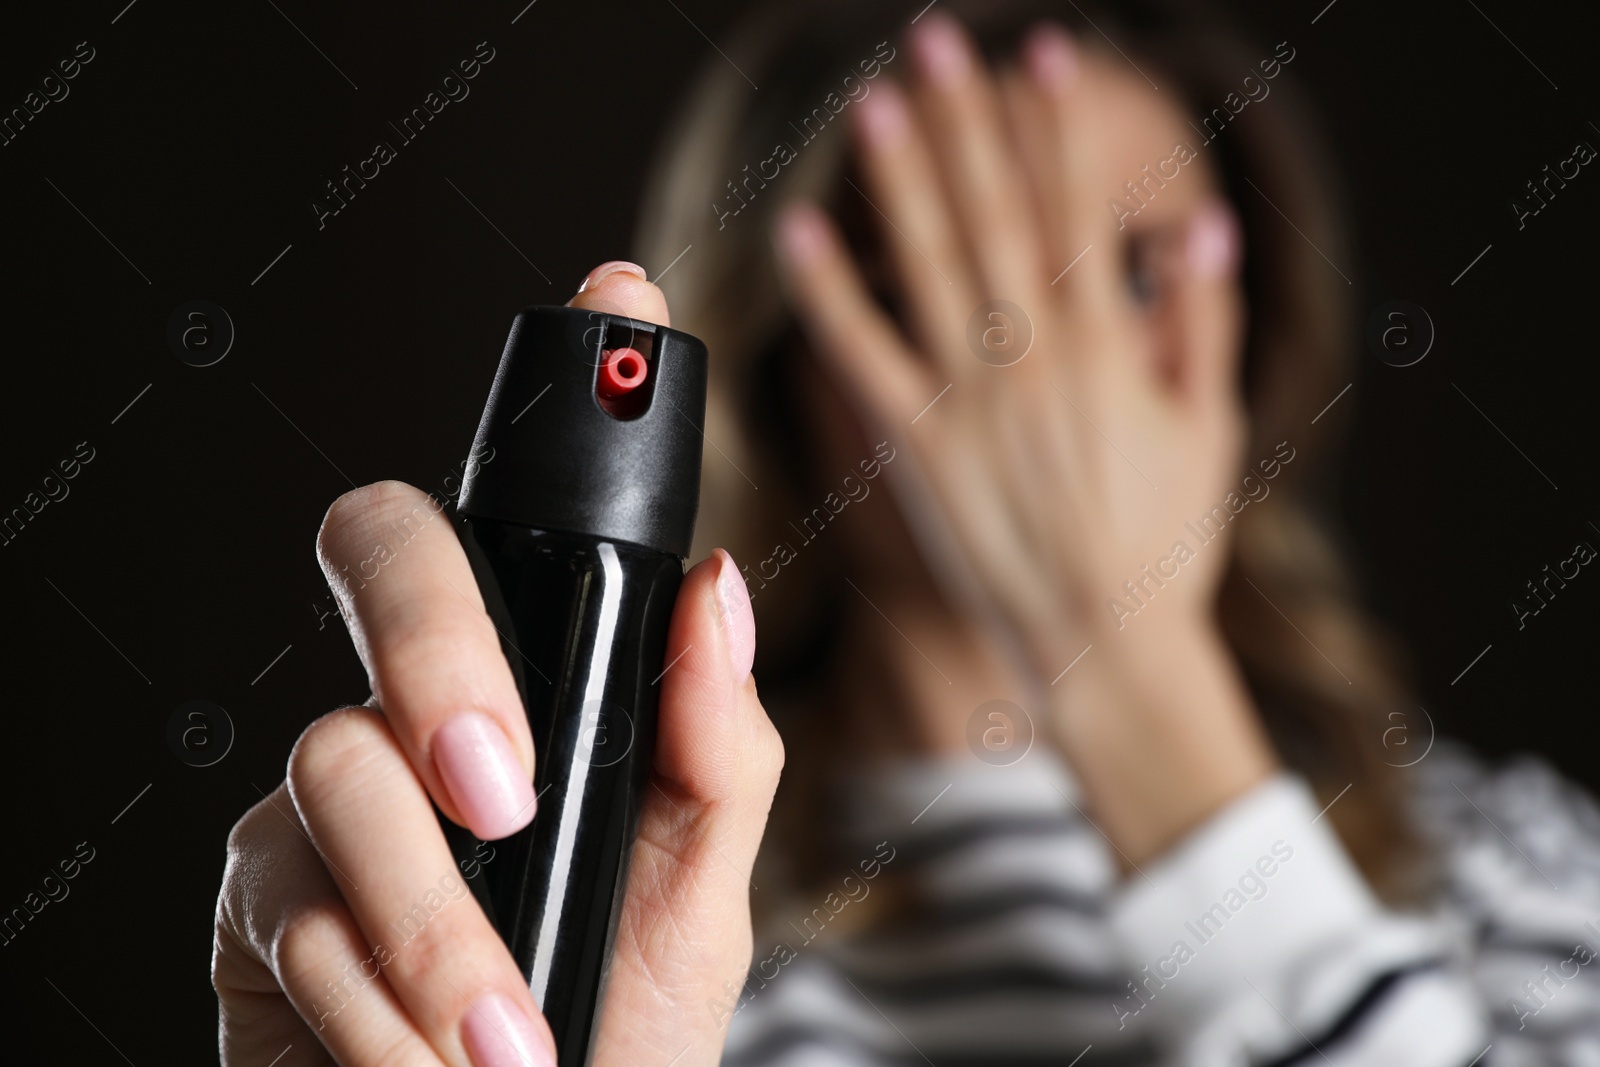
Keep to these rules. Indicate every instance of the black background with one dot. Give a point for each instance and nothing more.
(181, 563)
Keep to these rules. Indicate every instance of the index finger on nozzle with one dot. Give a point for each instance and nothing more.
(618, 287)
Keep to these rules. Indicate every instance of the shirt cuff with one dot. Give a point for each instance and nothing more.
(1248, 896)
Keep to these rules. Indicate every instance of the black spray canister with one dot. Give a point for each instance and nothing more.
(576, 510)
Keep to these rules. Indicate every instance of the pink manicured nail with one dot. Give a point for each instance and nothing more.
(498, 1033)
(1051, 57)
(883, 118)
(801, 233)
(611, 267)
(738, 621)
(1214, 241)
(941, 52)
(484, 776)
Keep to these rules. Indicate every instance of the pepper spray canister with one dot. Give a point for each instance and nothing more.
(576, 511)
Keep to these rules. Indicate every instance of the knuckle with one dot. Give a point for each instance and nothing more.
(250, 861)
(401, 1052)
(309, 940)
(431, 951)
(442, 639)
(436, 934)
(337, 748)
(265, 856)
(228, 935)
(246, 837)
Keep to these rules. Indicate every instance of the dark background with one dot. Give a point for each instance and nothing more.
(181, 563)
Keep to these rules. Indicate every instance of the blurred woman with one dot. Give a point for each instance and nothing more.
(1086, 296)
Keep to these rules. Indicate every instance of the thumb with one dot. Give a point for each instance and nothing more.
(683, 944)
(618, 287)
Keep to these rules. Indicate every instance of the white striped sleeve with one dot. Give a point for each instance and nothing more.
(1520, 852)
(1255, 941)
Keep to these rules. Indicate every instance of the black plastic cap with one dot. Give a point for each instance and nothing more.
(549, 455)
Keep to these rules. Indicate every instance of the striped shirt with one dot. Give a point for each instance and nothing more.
(1253, 942)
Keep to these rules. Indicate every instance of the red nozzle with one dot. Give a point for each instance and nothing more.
(622, 372)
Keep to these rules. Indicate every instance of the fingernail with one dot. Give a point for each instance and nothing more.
(484, 776)
(1214, 240)
(1051, 57)
(611, 267)
(940, 51)
(801, 234)
(738, 621)
(498, 1033)
(882, 118)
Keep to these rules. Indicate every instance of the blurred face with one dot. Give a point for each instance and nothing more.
(1146, 173)
(1143, 139)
